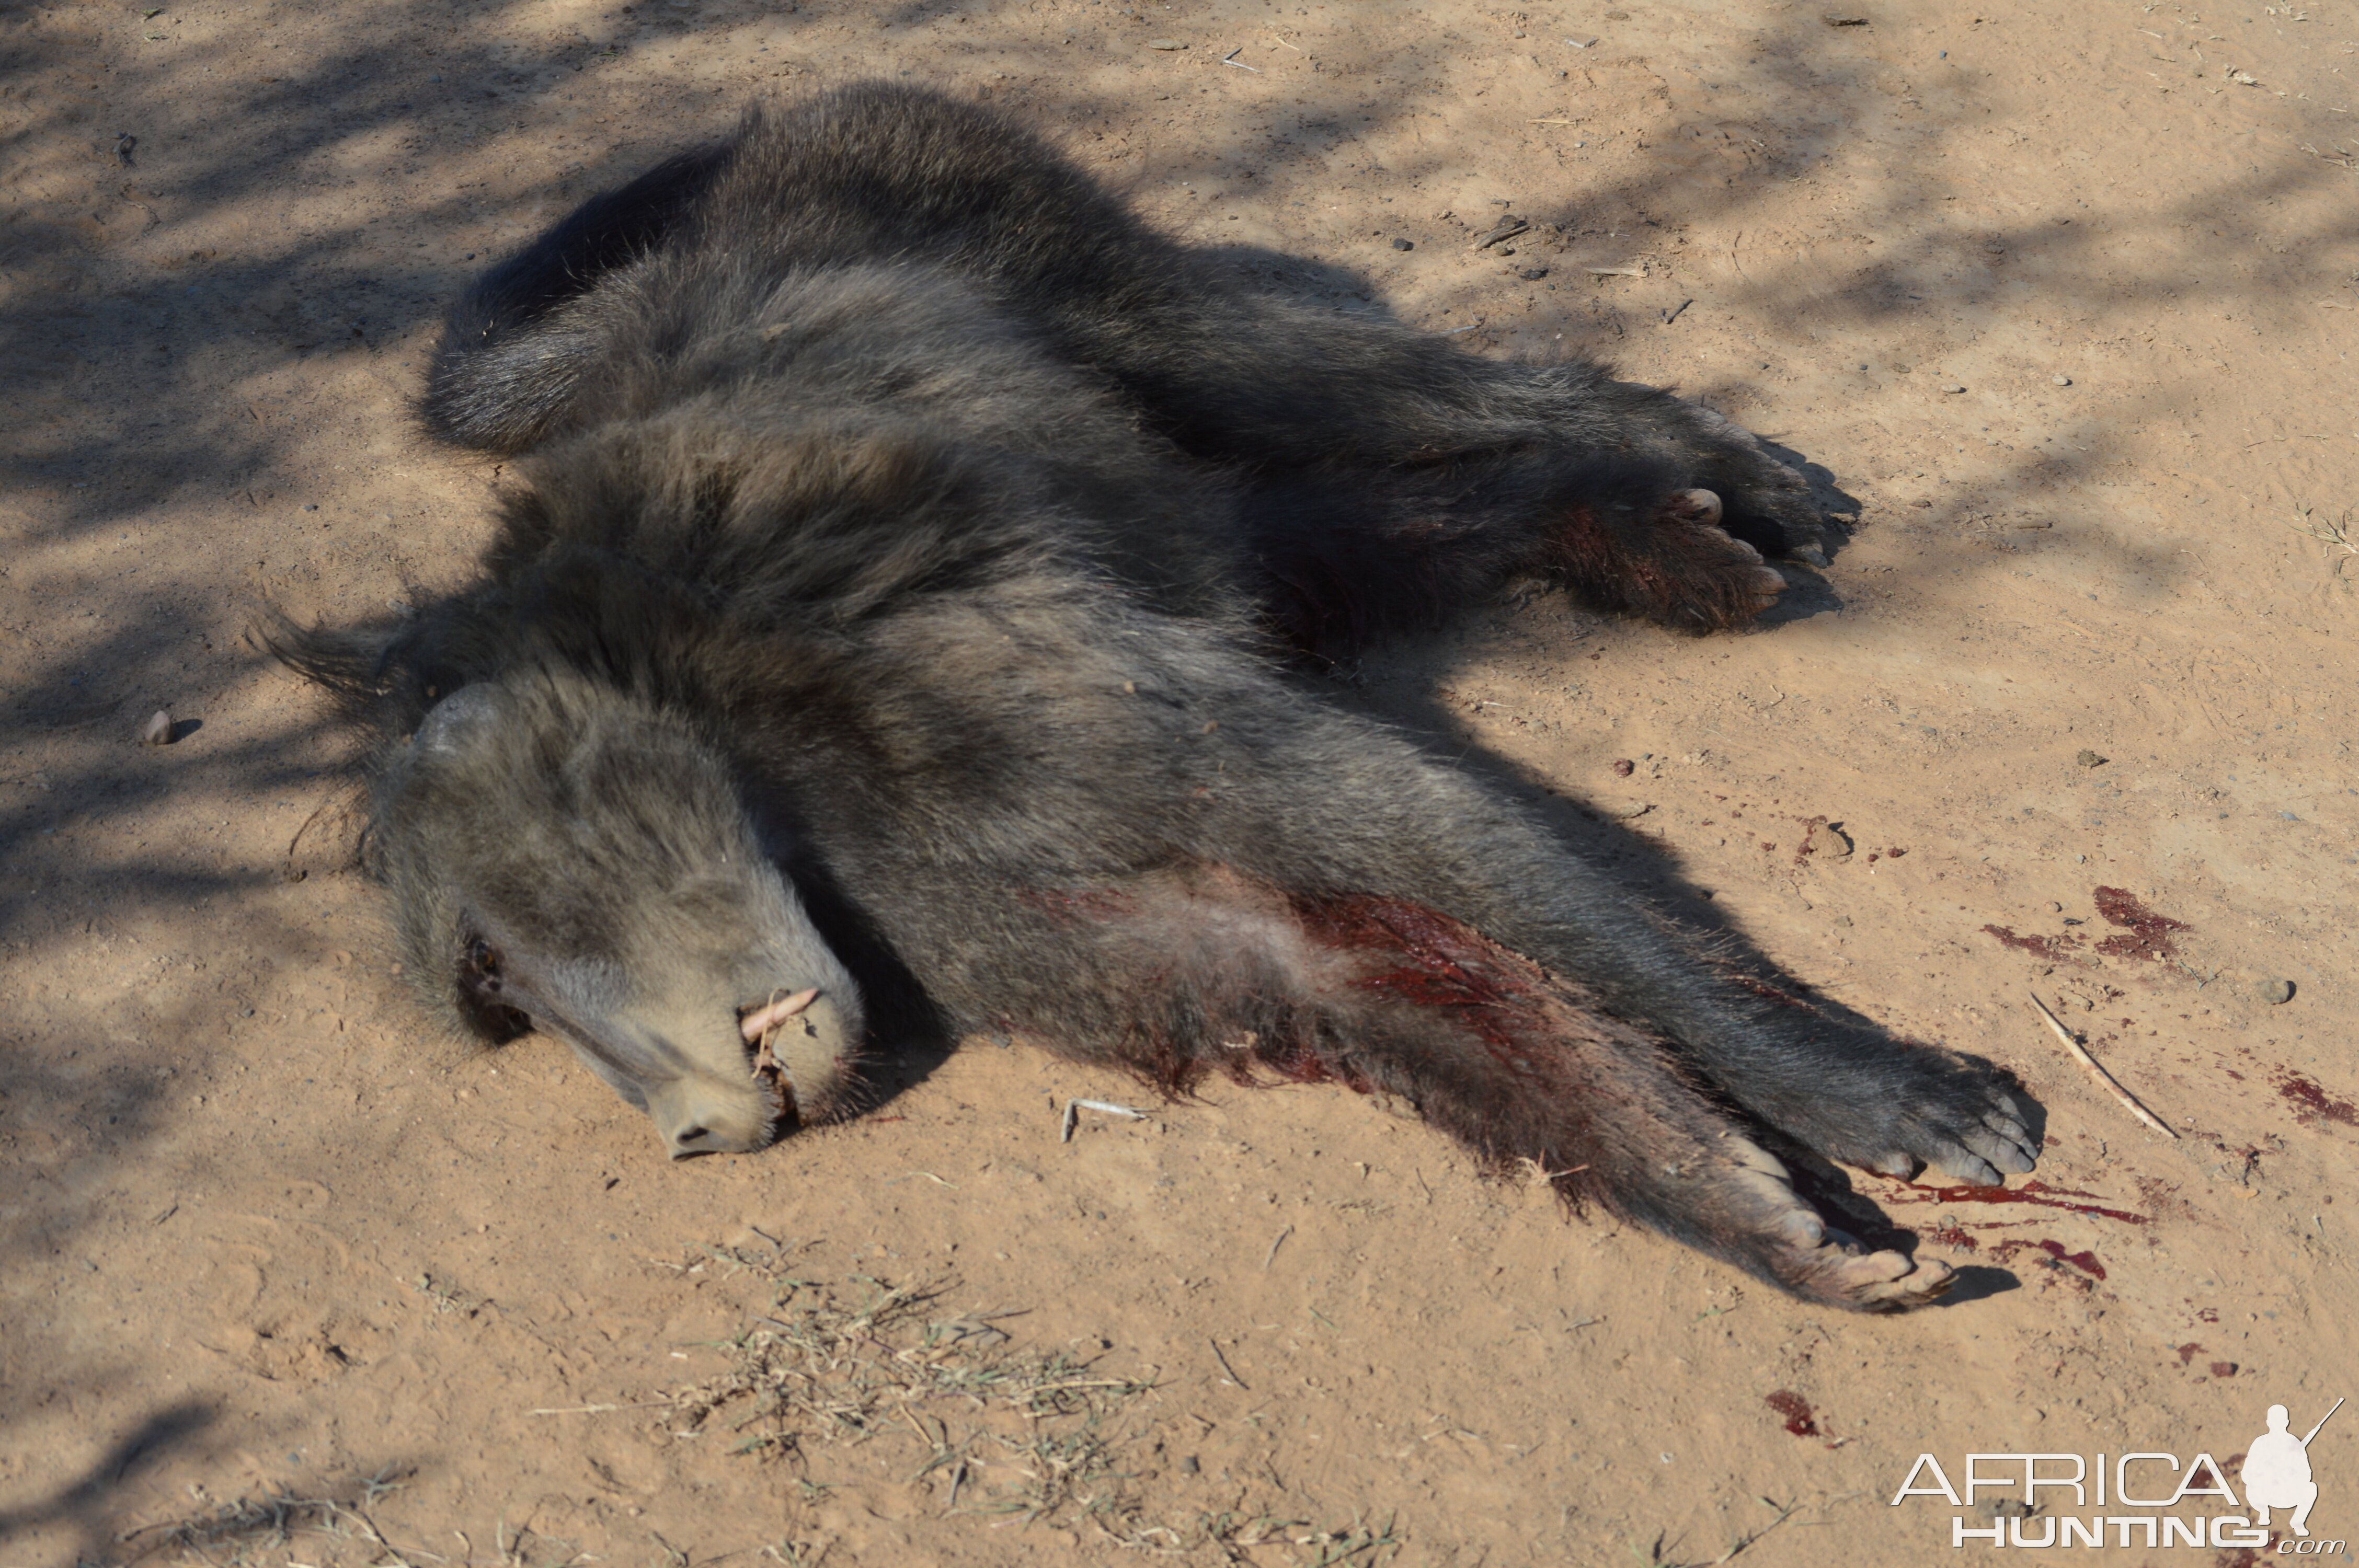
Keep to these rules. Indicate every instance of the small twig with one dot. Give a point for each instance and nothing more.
(1073, 1109)
(1615, 271)
(2103, 1078)
(1271, 1256)
(1785, 1512)
(1674, 314)
(1231, 59)
(1231, 1371)
(601, 1410)
(1547, 122)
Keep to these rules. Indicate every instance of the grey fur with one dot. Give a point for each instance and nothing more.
(895, 597)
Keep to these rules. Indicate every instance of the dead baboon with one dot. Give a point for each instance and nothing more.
(895, 625)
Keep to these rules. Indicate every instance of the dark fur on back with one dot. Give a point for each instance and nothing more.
(893, 602)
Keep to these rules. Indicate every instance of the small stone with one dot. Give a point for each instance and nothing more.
(1533, 273)
(2088, 759)
(1920, 501)
(1843, 19)
(1164, 44)
(1623, 767)
(1403, 244)
(2276, 993)
(2063, 381)
(1954, 386)
(2054, 907)
(158, 730)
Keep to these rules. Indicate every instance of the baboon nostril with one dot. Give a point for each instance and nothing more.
(688, 1134)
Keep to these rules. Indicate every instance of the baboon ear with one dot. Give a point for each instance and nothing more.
(462, 719)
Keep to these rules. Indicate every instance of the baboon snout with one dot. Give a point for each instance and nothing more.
(797, 1048)
(694, 1117)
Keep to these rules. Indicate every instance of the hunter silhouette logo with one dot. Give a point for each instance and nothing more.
(2134, 1498)
(2276, 1472)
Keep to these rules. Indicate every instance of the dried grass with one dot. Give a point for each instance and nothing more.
(1000, 1430)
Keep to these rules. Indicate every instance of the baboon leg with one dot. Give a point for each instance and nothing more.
(1389, 823)
(1179, 973)
(1524, 1065)
(1345, 559)
(496, 381)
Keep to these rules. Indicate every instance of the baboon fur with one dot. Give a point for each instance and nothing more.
(903, 592)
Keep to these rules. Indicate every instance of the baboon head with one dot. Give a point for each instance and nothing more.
(570, 860)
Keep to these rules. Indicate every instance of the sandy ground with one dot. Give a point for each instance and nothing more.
(2057, 301)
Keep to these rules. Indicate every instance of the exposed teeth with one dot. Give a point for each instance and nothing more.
(765, 1019)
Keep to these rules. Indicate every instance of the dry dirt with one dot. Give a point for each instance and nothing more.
(2057, 301)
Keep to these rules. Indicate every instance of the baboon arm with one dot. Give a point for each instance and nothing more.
(490, 385)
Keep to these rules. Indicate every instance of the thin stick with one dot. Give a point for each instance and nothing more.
(2103, 1079)
(1231, 1371)
(1271, 1256)
(1231, 59)
(1110, 1108)
(601, 1410)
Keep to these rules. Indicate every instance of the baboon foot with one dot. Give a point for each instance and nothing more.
(1794, 1246)
(1925, 1107)
(1681, 567)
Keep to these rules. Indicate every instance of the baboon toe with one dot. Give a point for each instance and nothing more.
(1698, 506)
(1881, 1281)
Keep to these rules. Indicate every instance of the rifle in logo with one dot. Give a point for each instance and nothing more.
(2276, 1472)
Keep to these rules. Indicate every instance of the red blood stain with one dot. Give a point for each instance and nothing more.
(2038, 1194)
(2188, 1351)
(2145, 933)
(2314, 1102)
(2048, 947)
(2084, 1261)
(2224, 1369)
(1954, 1235)
(1894, 854)
(1800, 1419)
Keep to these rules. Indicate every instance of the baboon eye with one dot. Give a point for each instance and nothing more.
(482, 985)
